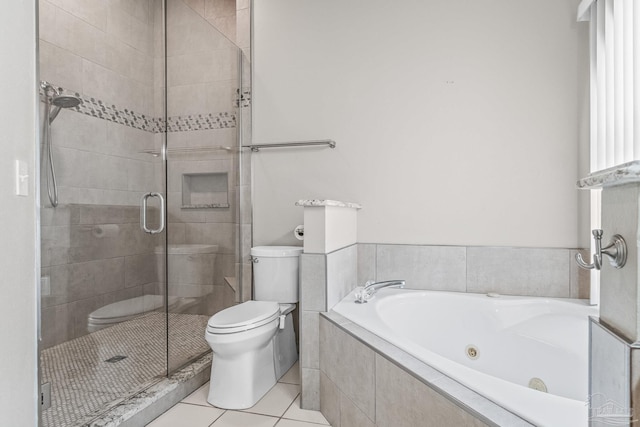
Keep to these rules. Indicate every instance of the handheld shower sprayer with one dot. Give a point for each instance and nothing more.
(53, 98)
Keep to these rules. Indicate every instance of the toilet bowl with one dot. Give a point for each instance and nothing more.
(253, 343)
(242, 341)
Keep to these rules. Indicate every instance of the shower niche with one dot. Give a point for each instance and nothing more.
(205, 190)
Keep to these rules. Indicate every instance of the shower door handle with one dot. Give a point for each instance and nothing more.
(143, 213)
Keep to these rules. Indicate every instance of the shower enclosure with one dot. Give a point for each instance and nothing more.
(145, 216)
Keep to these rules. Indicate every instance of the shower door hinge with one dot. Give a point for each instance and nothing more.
(45, 396)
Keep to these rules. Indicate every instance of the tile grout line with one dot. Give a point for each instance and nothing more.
(247, 411)
(291, 404)
(466, 269)
(208, 405)
(294, 419)
(219, 416)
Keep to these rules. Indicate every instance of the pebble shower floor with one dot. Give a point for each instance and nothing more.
(84, 385)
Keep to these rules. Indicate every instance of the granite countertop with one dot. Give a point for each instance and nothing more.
(333, 203)
(617, 175)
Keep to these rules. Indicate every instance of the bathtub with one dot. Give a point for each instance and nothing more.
(496, 345)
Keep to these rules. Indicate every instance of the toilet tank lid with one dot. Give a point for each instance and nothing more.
(276, 251)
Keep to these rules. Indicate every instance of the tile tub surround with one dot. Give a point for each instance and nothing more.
(619, 296)
(615, 367)
(377, 384)
(543, 272)
(615, 376)
(326, 278)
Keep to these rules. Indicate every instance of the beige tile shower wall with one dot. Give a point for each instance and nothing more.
(217, 226)
(202, 68)
(222, 14)
(201, 64)
(100, 162)
(219, 13)
(92, 255)
(103, 49)
(243, 26)
(202, 72)
(244, 176)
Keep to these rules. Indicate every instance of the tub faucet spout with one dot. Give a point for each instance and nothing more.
(366, 292)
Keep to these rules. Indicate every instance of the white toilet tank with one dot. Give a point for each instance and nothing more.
(275, 273)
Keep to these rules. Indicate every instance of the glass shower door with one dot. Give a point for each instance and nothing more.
(103, 312)
(203, 182)
(145, 240)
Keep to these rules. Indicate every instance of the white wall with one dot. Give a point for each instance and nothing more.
(18, 392)
(457, 122)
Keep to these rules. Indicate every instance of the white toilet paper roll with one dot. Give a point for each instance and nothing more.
(105, 230)
(299, 232)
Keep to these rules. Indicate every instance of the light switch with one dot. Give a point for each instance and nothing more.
(22, 178)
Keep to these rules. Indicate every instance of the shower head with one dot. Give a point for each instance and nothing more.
(62, 101)
(66, 101)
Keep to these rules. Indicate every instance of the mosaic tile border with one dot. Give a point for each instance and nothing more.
(243, 99)
(97, 108)
(201, 122)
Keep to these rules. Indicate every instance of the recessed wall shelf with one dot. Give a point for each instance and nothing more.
(205, 190)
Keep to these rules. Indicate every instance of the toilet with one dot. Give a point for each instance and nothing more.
(254, 342)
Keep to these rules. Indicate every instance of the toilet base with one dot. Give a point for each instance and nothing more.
(240, 381)
(242, 375)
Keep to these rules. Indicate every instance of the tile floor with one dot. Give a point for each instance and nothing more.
(279, 407)
(84, 386)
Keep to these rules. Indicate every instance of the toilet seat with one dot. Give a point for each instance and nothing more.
(243, 317)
